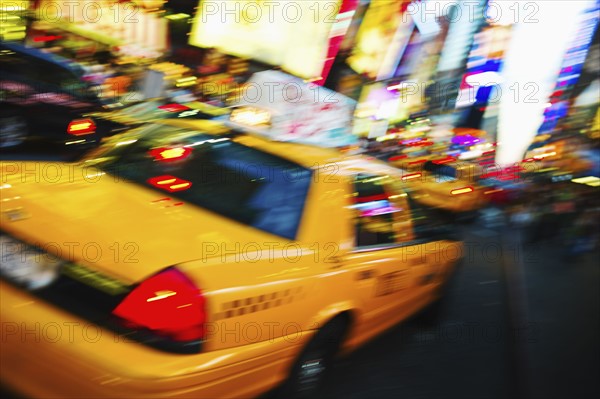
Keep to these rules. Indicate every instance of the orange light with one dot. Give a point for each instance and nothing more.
(397, 157)
(168, 154)
(442, 161)
(463, 190)
(80, 127)
(417, 162)
(411, 176)
(494, 191)
(170, 183)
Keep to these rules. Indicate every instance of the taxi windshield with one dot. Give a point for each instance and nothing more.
(215, 172)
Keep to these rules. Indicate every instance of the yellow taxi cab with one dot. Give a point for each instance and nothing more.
(184, 259)
(448, 184)
(562, 155)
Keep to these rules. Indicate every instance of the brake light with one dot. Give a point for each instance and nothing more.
(442, 161)
(170, 183)
(48, 38)
(174, 107)
(371, 198)
(463, 190)
(169, 304)
(168, 154)
(397, 158)
(417, 162)
(80, 127)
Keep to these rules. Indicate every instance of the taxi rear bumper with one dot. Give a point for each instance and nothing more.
(49, 353)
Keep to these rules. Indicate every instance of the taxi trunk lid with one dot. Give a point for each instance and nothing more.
(111, 225)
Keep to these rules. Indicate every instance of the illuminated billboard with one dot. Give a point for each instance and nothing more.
(292, 34)
(381, 39)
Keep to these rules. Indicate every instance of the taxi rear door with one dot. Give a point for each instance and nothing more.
(387, 263)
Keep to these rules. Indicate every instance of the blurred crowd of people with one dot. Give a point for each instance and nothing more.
(564, 214)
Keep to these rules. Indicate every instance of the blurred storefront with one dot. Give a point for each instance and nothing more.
(136, 27)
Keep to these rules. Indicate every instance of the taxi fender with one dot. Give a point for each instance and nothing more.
(331, 311)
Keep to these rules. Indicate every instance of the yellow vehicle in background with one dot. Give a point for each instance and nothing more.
(448, 184)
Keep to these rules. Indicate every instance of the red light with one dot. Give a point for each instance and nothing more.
(397, 157)
(174, 107)
(170, 183)
(417, 162)
(168, 154)
(508, 177)
(168, 303)
(80, 127)
(442, 161)
(48, 38)
(416, 143)
(371, 198)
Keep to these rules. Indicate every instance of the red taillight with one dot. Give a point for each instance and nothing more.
(442, 161)
(169, 304)
(174, 107)
(371, 198)
(48, 38)
(397, 158)
(80, 127)
(417, 162)
(169, 183)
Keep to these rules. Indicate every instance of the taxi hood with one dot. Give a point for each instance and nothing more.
(112, 225)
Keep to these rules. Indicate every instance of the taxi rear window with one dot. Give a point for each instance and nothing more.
(217, 173)
(442, 172)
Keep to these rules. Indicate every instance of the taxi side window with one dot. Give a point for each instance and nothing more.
(374, 220)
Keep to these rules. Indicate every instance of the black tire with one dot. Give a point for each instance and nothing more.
(14, 130)
(309, 375)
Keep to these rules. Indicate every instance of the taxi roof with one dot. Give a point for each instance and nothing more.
(307, 155)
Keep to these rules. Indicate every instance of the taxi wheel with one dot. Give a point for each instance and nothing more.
(309, 374)
(13, 130)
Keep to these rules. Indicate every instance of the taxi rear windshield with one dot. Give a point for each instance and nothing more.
(217, 173)
(441, 171)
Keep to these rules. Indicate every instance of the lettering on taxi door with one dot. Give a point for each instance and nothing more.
(391, 282)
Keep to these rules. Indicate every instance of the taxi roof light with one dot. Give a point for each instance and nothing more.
(463, 190)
